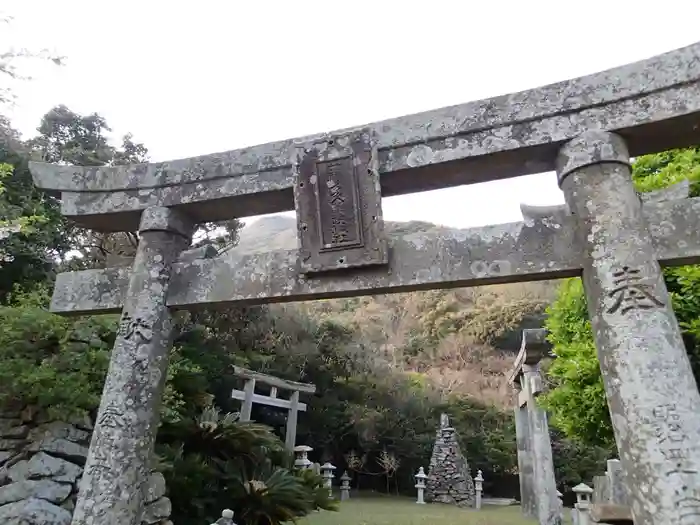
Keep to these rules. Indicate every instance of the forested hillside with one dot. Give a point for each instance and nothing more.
(386, 367)
(463, 340)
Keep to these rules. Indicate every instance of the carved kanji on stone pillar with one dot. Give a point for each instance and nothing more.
(608, 234)
(651, 391)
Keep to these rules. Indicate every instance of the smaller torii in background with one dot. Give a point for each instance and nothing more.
(293, 406)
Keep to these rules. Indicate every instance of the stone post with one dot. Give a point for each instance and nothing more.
(247, 408)
(327, 472)
(560, 498)
(545, 485)
(420, 485)
(302, 456)
(652, 394)
(583, 504)
(617, 488)
(478, 487)
(345, 486)
(111, 489)
(601, 489)
(528, 502)
(226, 518)
(292, 417)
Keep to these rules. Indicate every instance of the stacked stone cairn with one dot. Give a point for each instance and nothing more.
(449, 480)
(41, 463)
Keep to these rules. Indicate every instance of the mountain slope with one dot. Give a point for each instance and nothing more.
(462, 340)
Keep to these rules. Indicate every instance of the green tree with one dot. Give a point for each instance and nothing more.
(11, 226)
(58, 365)
(577, 401)
(30, 254)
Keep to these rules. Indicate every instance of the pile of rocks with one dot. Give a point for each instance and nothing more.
(449, 480)
(41, 463)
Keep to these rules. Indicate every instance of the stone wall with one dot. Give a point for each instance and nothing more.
(41, 463)
(449, 480)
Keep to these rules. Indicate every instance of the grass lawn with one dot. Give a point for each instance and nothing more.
(404, 511)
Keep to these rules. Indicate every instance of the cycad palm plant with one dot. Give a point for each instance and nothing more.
(226, 463)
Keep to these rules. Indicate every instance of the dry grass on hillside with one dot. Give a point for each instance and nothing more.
(454, 337)
(447, 335)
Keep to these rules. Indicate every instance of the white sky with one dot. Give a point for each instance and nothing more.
(190, 78)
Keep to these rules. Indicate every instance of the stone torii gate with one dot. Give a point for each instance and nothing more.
(585, 129)
(293, 406)
(538, 487)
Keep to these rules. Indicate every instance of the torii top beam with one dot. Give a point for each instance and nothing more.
(533, 348)
(653, 104)
(273, 381)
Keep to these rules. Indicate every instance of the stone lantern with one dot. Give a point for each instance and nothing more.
(302, 456)
(478, 487)
(583, 503)
(327, 472)
(420, 485)
(345, 486)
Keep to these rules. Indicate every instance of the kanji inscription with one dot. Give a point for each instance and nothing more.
(111, 417)
(690, 509)
(339, 212)
(135, 326)
(631, 292)
(100, 463)
(672, 438)
(338, 203)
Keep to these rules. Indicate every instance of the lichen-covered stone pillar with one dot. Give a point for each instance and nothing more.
(111, 489)
(651, 391)
(528, 503)
(544, 482)
(247, 408)
(292, 418)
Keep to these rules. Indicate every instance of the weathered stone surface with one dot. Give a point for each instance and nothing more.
(61, 448)
(8, 424)
(156, 511)
(512, 252)
(33, 511)
(29, 413)
(650, 387)
(41, 465)
(449, 480)
(611, 514)
(10, 444)
(533, 348)
(610, 237)
(82, 423)
(42, 489)
(618, 493)
(538, 485)
(601, 489)
(118, 462)
(155, 488)
(528, 500)
(504, 136)
(548, 507)
(6, 455)
(338, 203)
(18, 432)
(69, 505)
(60, 430)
